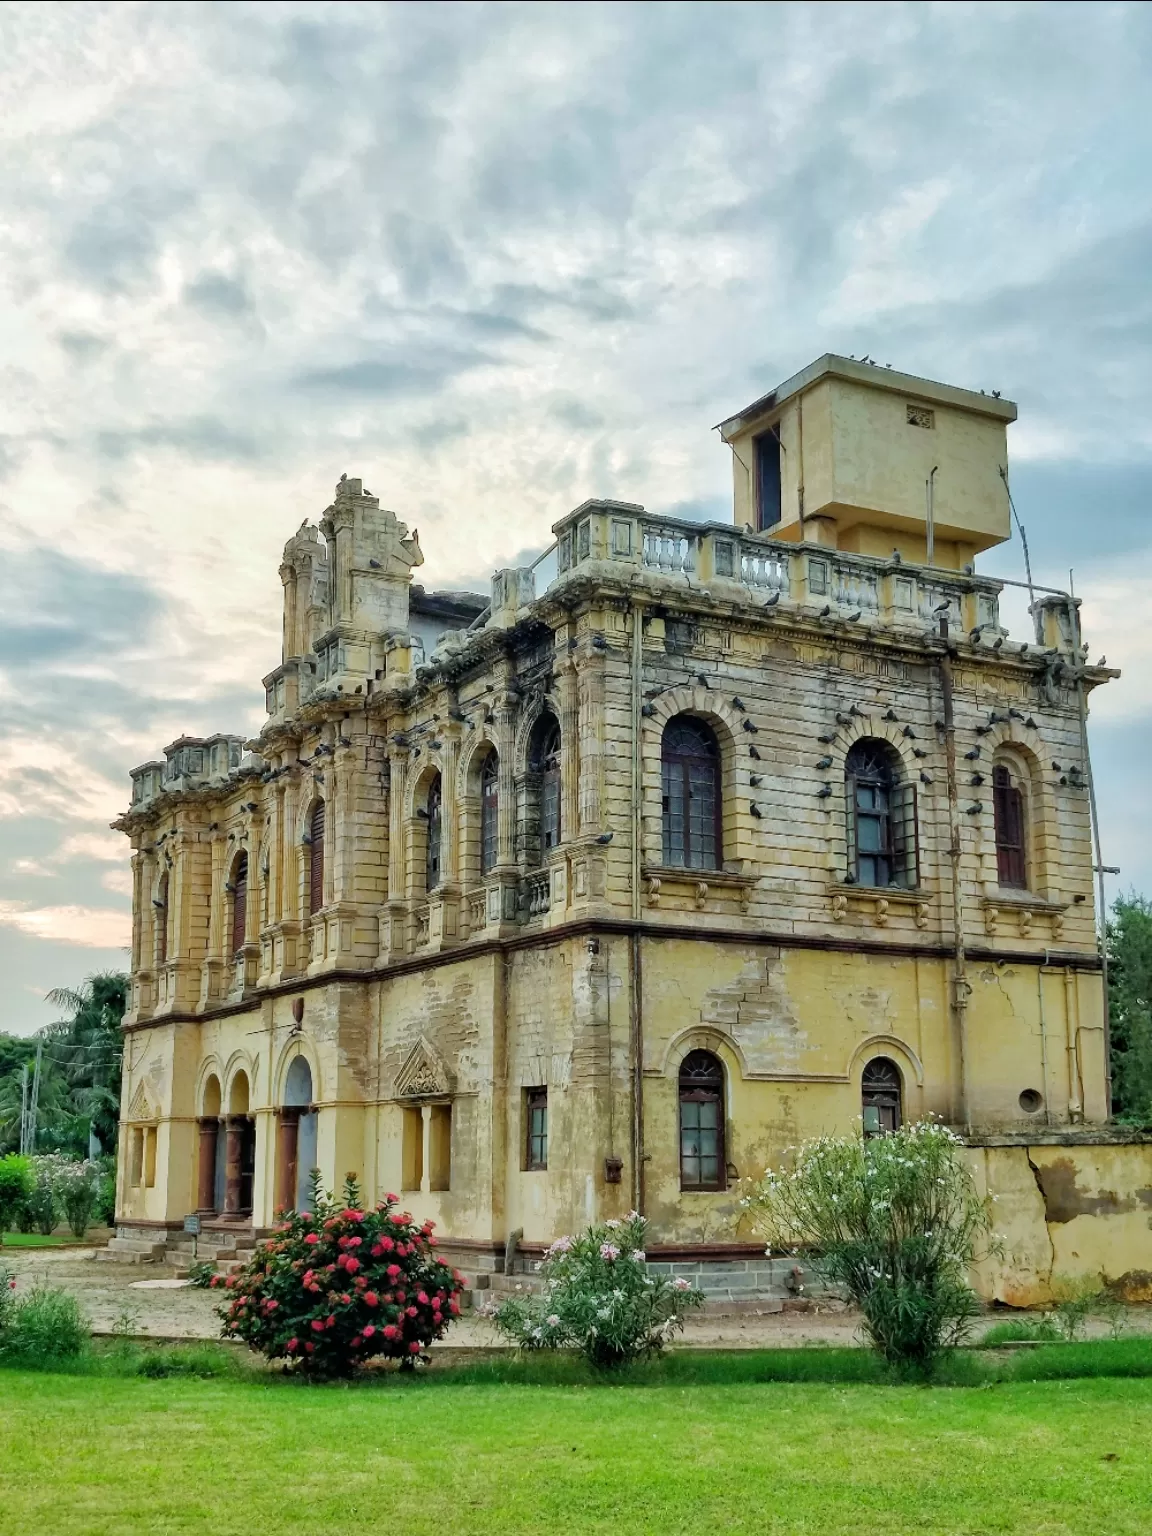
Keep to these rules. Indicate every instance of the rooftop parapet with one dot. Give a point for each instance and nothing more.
(191, 762)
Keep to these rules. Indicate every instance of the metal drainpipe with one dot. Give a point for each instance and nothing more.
(1040, 969)
(636, 1012)
(1102, 910)
(960, 987)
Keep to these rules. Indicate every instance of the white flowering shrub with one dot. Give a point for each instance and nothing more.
(895, 1220)
(600, 1297)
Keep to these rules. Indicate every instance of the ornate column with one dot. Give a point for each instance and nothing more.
(206, 1171)
(393, 915)
(235, 1126)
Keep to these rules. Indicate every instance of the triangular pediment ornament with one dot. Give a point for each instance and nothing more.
(423, 1075)
(141, 1107)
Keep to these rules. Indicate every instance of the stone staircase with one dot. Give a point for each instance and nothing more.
(228, 1251)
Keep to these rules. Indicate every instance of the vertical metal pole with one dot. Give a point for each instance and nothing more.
(24, 1110)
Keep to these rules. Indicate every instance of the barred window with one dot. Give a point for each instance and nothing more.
(316, 858)
(489, 813)
(545, 760)
(536, 1128)
(702, 1159)
(881, 820)
(690, 784)
(239, 902)
(880, 1096)
(435, 813)
(1008, 812)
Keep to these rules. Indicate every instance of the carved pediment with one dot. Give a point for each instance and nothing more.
(423, 1075)
(142, 1107)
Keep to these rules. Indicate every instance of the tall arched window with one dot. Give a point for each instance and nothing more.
(239, 902)
(316, 858)
(544, 759)
(702, 1159)
(690, 781)
(160, 906)
(881, 817)
(489, 813)
(880, 1096)
(435, 812)
(1008, 811)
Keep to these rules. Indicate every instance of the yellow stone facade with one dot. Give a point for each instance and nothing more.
(381, 1007)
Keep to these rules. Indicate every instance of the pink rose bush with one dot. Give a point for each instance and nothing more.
(601, 1297)
(333, 1288)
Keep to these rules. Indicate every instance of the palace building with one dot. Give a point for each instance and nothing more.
(601, 890)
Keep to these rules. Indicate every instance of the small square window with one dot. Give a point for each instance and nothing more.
(584, 540)
(817, 578)
(903, 592)
(621, 538)
(725, 564)
(921, 416)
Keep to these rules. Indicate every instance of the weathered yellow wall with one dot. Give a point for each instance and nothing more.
(1067, 1211)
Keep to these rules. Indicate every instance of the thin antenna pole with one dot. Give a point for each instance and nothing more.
(24, 1110)
(1023, 535)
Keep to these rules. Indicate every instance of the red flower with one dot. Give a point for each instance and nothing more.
(354, 1242)
(387, 1244)
(345, 1298)
(369, 1330)
(351, 1265)
(393, 1271)
(330, 1322)
(317, 1325)
(391, 1331)
(356, 1342)
(292, 1346)
(411, 1312)
(401, 1296)
(271, 1304)
(371, 1299)
(422, 1298)
(312, 1237)
(432, 1242)
(414, 1347)
(454, 1307)
(377, 1250)
(391, 1199)
(310, 1348)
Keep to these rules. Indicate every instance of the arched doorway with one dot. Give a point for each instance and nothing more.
(240, 1153)
(296, 1139)
(213, 1142)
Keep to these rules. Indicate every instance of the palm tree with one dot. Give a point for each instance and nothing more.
(86, 1049)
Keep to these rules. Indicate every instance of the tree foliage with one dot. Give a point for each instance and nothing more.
(80, 1069)
(1130, 1008)
(896, 1221)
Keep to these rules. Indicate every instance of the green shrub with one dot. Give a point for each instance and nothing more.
(197, 1360)
(45, 1324)
(15, 1187)
(1076, 1298)
(601, 1298)
(202, 1273)
(1022, 1330)
(106, 1192)
(77, 1190)
(896, 1221)
(333, 1289)
(7, 1300)
(41, 1203)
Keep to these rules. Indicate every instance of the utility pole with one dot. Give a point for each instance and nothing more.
(29, 1101)
(24, 1110)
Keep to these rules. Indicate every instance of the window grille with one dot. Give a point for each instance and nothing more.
(489, 813)
(692, 808)
(702, 1157)
(880, 1094)
(881, 823)
(1008, 813)
(546, 762)
(536, 1125)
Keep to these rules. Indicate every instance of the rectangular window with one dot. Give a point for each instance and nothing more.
(440, 1146)
(905, 862)
(921, 416)
(536, 1128)
(149, 1157)
(412, 1149)
(701, 1142)
(136, 1157)
(767, 448)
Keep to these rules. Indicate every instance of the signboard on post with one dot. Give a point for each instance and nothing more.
(192, 1226)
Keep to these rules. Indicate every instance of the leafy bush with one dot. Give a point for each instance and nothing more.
(40, 1203)
(1076, 1298)
(106, 1192)
(202, 1273)
(15, 1187)
(197, 1360)
(1022, 1330)
(44, 1324)
(7, 1300)
(76, 1185)
(896, 1221)
(601, 1298)
(333, 1289)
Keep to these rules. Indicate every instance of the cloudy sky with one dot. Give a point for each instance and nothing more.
(497, 259)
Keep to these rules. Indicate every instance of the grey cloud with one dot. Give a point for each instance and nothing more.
(219, 297)
(202, 437)
(83, 346)
(423, 371)
(52, 605)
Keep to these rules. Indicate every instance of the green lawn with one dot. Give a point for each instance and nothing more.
(95, 1454)
(36, 1240)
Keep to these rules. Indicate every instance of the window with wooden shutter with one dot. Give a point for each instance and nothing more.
(316, 858)
(690, 785)
(489, 813)
(905, 858)
(434, 853)
(536, 1128)
(881, 818)
(1008, 813)
(545, 760)
(161, 910)
(239, 902)
(702, 1156)
(880, 1094)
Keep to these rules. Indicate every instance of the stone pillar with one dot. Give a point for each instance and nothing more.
(235, 1126)
(206, 1172)
(569, 702)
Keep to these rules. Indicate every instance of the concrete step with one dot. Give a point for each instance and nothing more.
(133, 1250)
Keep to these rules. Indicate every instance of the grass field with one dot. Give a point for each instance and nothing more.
(35, 1240)
(462, 1452)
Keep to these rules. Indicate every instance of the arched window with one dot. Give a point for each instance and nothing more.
(239, 902)
(881, 818)
(489, 813)
(161, 909)
(702, 1160)
(544, 759)
(316, 858)
(435, 813)
(1008, 812)
(690, 781)
(880, 1096)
